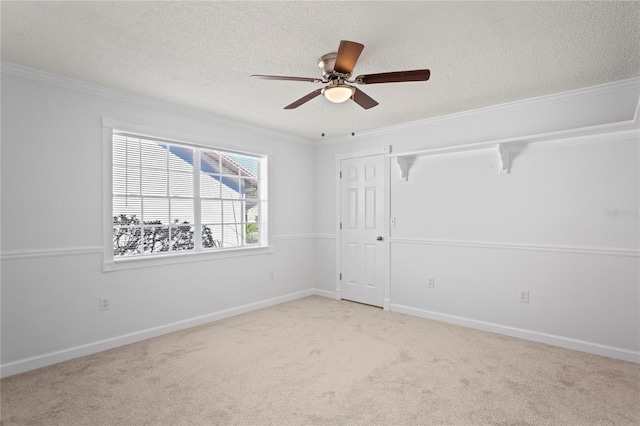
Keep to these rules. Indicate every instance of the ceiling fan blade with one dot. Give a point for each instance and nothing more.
(282, 77)
(362, 99)
(394, 77)
(348, 54)
(304, 99)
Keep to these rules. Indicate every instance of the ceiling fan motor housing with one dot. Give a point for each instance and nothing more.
(327, 64)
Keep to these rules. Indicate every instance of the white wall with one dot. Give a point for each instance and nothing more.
(484, 236)
(52, 217)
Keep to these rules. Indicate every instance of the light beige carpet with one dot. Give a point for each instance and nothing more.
(321, 361)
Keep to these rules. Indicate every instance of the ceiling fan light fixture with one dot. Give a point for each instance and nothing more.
(338, 93)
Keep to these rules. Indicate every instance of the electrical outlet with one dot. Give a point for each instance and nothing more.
(104, 304)
(524, 296)
(431, 282)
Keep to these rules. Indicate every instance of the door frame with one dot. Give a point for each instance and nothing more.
(385, 151)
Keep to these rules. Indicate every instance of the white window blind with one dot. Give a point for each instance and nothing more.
(175, 198)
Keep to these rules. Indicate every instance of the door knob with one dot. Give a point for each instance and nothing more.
(379, 238)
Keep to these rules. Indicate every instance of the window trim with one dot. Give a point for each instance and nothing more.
(109, 262)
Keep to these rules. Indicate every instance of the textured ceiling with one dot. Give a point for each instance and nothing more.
(200, 54)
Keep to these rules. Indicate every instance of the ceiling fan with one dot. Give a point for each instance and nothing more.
(337, 69)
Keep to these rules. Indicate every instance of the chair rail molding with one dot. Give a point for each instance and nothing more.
(601, 251)
(53, 252)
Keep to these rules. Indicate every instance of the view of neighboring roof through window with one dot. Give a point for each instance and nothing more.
(175, 198)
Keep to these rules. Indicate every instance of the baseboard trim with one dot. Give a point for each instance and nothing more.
(32, 363)
(549, 339)
(324, 293)
(386, 304)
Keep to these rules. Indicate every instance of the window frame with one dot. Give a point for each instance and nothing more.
(113, 263)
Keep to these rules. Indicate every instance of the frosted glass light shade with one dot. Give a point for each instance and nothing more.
(339, 93)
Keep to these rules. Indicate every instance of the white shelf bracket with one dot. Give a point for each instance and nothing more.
(505, 161)
(404, 163)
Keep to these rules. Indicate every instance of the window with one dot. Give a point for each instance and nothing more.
(172, 198)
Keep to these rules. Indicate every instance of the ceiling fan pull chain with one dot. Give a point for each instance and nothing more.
(322, 119)
(353, 120)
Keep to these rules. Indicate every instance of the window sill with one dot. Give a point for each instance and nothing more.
(174, 258)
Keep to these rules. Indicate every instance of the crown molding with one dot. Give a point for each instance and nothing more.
(93, 89)
(545, 100)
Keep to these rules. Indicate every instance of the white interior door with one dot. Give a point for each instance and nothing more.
(362, 229)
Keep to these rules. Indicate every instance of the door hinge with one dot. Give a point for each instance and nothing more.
(340, 174)
(340, 276)
(340, 225)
